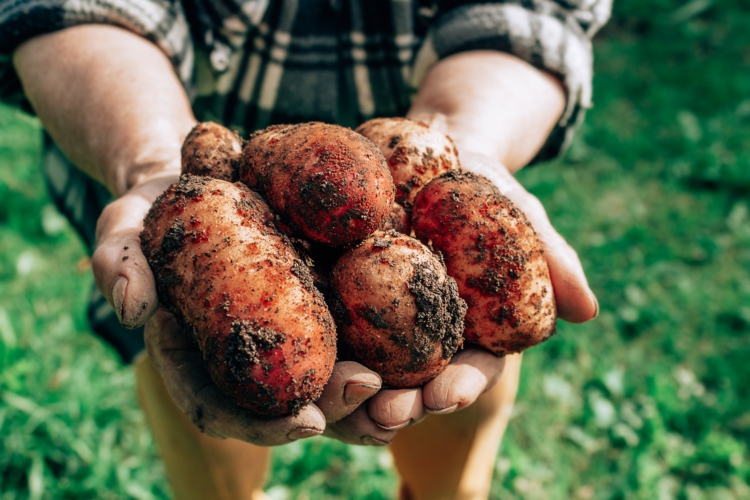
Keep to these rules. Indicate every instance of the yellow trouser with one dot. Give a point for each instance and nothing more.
(443, 457)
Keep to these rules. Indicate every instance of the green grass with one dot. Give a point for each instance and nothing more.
(650, 401)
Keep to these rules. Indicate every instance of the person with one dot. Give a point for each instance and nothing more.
(118, 84)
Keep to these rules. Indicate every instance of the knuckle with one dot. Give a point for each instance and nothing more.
(381, 411)
(150, 342)
(255, 437)
(252, 432)
(197, 416)
(99, 259)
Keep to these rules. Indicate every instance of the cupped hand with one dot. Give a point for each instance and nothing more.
(575, 301)
(470, 373)
(125, 278)
(121, 271)
(179, 361)
(474, 371)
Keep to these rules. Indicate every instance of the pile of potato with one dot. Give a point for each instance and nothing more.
(266, 248)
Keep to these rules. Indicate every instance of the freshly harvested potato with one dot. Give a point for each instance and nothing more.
(397, 220)
(397, 310)
(319, 260)
(213, 151)
(327, 181)
(415, 153)
(232, 279)
(492, 251)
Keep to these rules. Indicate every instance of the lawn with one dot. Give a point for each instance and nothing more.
(649, 401)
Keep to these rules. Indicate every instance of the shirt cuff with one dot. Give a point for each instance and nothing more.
(548, 37)
(161, 21)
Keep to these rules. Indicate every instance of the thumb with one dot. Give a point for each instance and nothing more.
(575, 301)
(121, 271)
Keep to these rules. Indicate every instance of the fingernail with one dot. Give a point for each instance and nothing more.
(355, 394)
(596, 306)
(118, 295)
(395, 427)
(441, 412)
(371, 441)
(302, 433)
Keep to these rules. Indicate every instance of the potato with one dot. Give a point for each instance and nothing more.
(237, 284)
(397, 310)
(213, 151)
(397, 220)
(493, 253)
(319, 260)
(326, 181)
(416, 154)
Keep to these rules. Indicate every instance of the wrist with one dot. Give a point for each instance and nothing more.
(128, 210)
(463, 134)
(475, 156)
(493, 104)
(487, 166)
(154, 173)
(159, 160)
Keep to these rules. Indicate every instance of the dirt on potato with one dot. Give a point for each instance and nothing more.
(398, 220)
(326, 182)
(237, 284)
(398, 312)
(212, 150)
(415, 153)
(492, 251)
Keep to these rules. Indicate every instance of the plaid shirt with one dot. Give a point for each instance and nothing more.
(252, 63)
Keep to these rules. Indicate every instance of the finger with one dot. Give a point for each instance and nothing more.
(182, 368)
(350, 385)
(359, 428)
(469, 374)
(121, 271)
(576, 302)
(163, 334)
(120, 268)
(395, 409)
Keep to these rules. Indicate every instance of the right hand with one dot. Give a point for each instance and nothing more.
(176, 357)
(121, 271)
(125, 279)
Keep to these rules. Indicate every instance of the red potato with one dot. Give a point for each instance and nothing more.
(415, 153)
(213, 151)
(327, 181)
(319, 260)
(493, 253)
(397, 220)
(238, 285)
(398, 312)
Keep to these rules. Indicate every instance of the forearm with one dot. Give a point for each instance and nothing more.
(491, 103)
(110, 99)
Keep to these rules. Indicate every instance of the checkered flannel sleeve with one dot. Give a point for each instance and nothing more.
(554, 36)
(161, 21)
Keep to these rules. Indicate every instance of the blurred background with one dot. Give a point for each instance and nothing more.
(649, 401)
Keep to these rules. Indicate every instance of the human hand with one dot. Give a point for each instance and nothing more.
(179, 361)
(473, 371)
(176, 356)
(575, 301)
(505, 109)
(121, 271)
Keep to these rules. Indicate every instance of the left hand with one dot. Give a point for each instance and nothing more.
(473, 370)
(470, 373)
